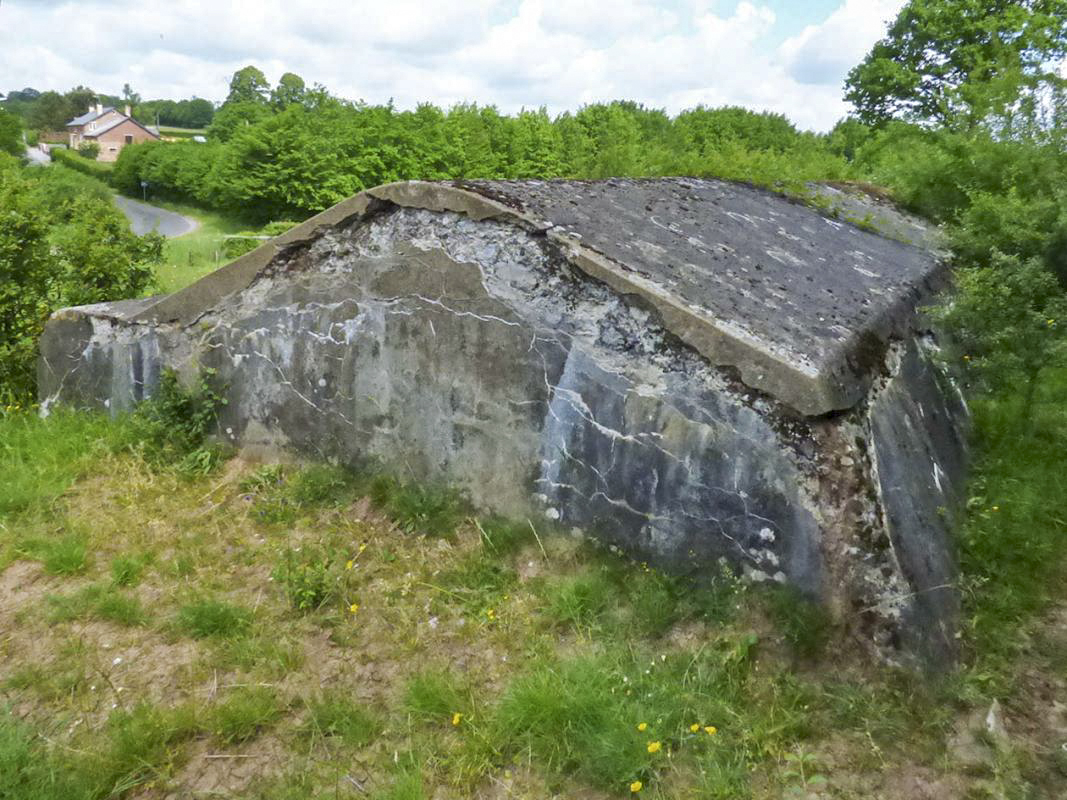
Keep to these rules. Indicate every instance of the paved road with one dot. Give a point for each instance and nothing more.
(37, 157)
(145, 218)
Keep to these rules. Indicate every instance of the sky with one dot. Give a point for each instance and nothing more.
(787, 56)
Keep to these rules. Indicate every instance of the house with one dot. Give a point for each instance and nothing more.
(109, 128)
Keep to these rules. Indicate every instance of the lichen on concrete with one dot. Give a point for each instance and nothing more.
(691, 370)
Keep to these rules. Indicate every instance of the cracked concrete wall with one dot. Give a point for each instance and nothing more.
(472, 351)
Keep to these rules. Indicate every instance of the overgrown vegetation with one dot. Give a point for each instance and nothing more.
(352, 632)
(62, 243)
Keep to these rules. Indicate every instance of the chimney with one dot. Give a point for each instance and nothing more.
(127, 109)
(99, 109)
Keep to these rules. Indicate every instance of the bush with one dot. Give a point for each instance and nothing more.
(89, 150)
(96, 169)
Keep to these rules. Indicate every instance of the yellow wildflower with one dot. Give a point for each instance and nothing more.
(636, 786)
(350, 564)
(655, 747)
(642, 726)
(694, 727)
(711, 730)
(456, 718)
(354, 608)
(362, 547)
(996, 508)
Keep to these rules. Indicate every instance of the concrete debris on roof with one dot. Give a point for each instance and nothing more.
(693, 370)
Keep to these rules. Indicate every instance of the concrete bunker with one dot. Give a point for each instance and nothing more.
(690, 369)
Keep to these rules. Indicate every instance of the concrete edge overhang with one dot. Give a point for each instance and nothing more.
(837, 386)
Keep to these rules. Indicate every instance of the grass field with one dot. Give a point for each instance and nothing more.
(189, 257)
(271, 631)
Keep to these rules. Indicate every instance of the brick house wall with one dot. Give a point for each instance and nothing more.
(113, 140)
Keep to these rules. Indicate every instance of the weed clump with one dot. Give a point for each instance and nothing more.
(335, 715)
(433, 695)
(212, 618)
(99, 601)
(171, 427)
(245, 713)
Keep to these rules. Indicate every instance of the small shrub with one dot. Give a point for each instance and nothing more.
(172, 425)
(89, 150)
(211, 618)
(337, 716)
(246, 712)
(306, 577)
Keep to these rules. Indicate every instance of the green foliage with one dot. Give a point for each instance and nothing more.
(583, 716)
(213, 618)
(1007, 321)
(305, 150)
(306, 577)
(434, 511)
(89, 150)
(58, 248)
(236, 247)
(956, 62)
(10, 134)
(82, 162)
(30, 771)
(171, 426)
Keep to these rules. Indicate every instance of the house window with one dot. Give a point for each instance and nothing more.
(129, 138)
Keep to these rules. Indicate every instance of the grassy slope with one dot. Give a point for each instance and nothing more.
(267, 632)
(190, 257)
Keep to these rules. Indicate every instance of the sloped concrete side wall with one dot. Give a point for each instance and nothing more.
(472, 352)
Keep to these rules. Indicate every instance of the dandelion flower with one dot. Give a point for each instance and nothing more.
(711, 730)
(636, 786)
(655, 747)
(456, 718)
(642, 727)
(354, 608)
(350, 564)
(694, 727)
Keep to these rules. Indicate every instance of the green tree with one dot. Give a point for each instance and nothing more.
(10, 134)
(956, 62)
(1008, 323)
(248, 85)
(290, 89)
(50, 112)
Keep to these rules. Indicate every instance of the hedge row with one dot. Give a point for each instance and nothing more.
(100, 170)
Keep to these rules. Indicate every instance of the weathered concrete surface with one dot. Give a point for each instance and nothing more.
(690, 369)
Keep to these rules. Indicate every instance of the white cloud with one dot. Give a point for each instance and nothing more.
(527, 53)
(826, 52)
